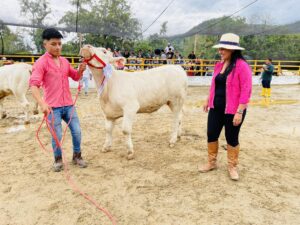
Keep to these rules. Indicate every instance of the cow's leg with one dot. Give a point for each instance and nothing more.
(129, 114)
(176, 108)
(2, 111)
(127, 130)
(176, 131)
(109, 126)
(25, 104)
(179, 132)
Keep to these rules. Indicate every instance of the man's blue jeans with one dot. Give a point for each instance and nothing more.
(64, 113)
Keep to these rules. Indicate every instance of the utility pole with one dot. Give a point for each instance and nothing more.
(2, 44)
(80, 40)
(77, 10)
(77, 16)
(2, 41)
(195, 43)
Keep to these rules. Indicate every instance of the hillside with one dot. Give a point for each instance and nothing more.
(239, 26)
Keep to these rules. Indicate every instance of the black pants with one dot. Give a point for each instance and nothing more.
(266, 83)
(216, 120)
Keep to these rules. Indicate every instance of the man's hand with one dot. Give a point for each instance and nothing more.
(45, 108)
(37, 96)
(82, 67)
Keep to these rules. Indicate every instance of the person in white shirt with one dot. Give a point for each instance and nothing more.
(167, 49)
(163, 57)
(87, 75)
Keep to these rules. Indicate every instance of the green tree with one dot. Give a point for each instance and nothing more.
(11, 43)
(283, 47)
(203, 46)
(71, 47)
(143, 45)
(259, 40)
(163, 29)
(105, 23)
(158, 40)
(37, 11)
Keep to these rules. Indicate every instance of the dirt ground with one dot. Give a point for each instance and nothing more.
(161, 186)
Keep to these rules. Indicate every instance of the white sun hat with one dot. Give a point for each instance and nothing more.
(229, 41)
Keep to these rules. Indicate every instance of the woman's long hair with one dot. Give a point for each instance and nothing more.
(237, 54)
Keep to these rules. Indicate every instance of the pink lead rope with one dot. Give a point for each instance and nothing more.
(66, 171)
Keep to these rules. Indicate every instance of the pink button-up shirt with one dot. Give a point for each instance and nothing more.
(238, 86)
(54, 80)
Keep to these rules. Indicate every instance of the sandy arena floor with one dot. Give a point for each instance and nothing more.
(161, 186)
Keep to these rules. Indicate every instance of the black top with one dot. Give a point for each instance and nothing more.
(191, 56)
(220, 91)
(170, 55)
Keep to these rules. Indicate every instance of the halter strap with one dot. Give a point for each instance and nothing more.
(87, 61)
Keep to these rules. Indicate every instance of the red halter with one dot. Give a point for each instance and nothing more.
(87, 61)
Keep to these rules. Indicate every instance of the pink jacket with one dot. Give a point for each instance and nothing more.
(238, 86)
(54, 80)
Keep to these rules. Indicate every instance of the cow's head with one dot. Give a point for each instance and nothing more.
(117, 62)
(88, 51)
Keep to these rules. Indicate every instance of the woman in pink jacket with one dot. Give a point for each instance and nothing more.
(229, 95)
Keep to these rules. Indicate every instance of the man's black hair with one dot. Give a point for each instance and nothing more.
(269, 59)
(50, 33)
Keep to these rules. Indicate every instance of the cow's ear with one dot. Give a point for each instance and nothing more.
(91, 49)
(119, 62)
(86, 51)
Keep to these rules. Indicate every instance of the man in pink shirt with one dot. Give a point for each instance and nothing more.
(51, 72)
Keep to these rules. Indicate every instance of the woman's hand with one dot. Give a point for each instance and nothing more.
(237, 119)
(205, 106)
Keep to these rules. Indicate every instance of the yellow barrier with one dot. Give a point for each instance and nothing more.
(194, 67)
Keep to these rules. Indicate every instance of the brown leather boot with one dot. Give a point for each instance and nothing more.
(78, 160)
(212, 150)
(58, 164)
(232, 158)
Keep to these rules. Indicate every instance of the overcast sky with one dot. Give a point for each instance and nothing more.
(182, 15)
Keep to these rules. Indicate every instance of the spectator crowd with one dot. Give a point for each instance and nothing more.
(149, 59)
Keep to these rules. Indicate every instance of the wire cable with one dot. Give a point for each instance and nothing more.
(158, 16)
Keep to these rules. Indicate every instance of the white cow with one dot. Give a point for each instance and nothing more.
(14, 80)
(127, 93)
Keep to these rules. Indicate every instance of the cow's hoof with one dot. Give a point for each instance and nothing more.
(130, 156)
(106, 149)
(172, 145)
(26, 122)
(35, 112)
(4, 115)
